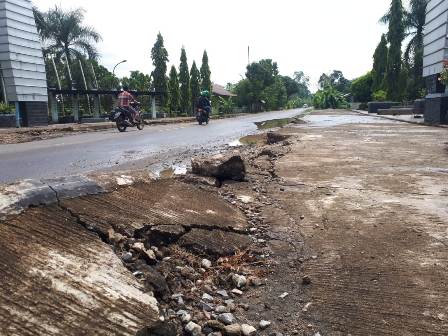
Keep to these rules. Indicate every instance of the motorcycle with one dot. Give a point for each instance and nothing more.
(123, 118)
(202, 116)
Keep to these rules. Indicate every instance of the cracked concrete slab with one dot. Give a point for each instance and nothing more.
(60, 279)
(160, 202)
(18, 196)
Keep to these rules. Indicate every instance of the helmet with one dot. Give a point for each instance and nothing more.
(205, 93)
(125, 88)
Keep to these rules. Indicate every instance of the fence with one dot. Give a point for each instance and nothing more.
(67, 106)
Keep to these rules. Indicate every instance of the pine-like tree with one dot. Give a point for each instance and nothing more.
(159, 57)
(395, 37)
(206, 83)
(173, 86)
(379, 64)
(195, 78)
(184, 81)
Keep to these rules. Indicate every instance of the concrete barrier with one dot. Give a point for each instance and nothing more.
(396, 111)
(373, 107)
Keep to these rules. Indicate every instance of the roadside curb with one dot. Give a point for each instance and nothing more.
(18, 196)
(398, 119)
(107, 125)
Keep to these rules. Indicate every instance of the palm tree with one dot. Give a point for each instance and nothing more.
(63, 34)
(64, 37)
(414, 23)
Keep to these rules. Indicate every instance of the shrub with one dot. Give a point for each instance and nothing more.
(380, 96)
(329, 98)
(361, 88)
(6, 108)
(363, 107)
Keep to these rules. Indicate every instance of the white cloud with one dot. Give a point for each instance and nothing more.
(313, 36)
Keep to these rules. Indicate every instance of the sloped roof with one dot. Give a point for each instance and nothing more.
(220, 90)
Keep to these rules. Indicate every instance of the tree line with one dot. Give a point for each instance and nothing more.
(265, 89)
(397, 74)
(72, 61)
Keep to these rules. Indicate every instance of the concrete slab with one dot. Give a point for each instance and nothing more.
(60, 279)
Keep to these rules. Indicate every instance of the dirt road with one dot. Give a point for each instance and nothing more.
(360, 211)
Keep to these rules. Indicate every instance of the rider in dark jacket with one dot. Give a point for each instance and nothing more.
(204, 103)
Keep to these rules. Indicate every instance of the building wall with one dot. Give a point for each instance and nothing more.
(21, 57)
(435, 40)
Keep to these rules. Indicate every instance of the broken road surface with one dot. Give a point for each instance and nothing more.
(134, 149)
(339, 227)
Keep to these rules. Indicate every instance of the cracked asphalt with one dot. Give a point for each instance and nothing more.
(96, 151)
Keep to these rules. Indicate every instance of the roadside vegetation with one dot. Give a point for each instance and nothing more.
(73, 61)
(397, 72)
(265, 89)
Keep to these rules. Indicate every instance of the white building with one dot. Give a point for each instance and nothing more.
(434, 56)
(21, 61)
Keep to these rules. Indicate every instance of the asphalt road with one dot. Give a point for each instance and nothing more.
(98, 151)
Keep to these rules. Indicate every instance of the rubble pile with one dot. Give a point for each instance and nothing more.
(199, 279)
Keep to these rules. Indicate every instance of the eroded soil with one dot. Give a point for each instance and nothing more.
(360, 210)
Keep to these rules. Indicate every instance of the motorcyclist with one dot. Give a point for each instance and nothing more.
(203, 102)
(124, 102)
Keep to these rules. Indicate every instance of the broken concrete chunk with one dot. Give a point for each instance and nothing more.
(222, 167)
(264, 324)
(193, 329)
(237, 292)
(248, 330)
(239, 281)
(223, 293)
(165, 234)
(273, 138)
(159, 329)
(207, 297)
(233, 330)
(126, 257)
(202, 180)
(217, 242)
(206, 263)
(227, 318)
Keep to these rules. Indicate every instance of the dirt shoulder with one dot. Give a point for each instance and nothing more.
(357, 229)
(340, 228)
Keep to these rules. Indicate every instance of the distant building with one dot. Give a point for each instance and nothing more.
(434, 57)
(221, 91)
(22, 64)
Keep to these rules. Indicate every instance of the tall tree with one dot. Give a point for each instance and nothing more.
(63, 33)
(395, 37)
(173, 86)
(304, 83)
(379, 64)
(137, 81)
(184, 81)
(415, 22)
(335, 79)
(159, 57)
(206, 83)
(65, 37)
(195, 78)
(361, 88)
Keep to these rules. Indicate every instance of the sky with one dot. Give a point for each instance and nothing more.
(314, 36)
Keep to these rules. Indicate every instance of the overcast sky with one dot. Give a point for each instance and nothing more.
(314, 36)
